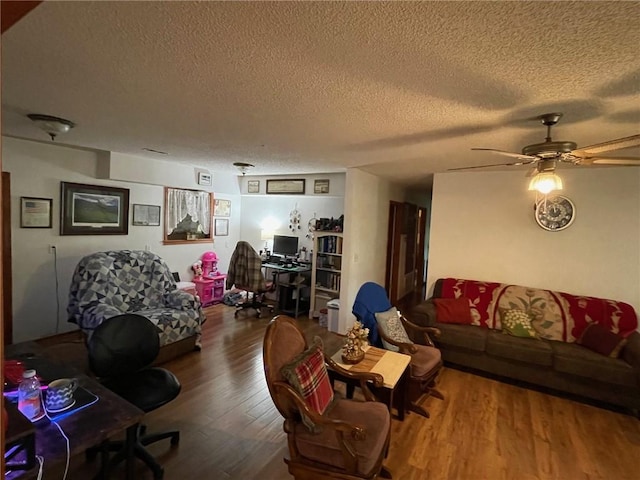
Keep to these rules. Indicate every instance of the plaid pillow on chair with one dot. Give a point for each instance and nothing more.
(307, 373)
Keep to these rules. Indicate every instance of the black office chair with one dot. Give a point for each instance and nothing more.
(245, 273)
(120, 352)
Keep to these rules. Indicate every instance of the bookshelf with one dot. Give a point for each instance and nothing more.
(326, 267)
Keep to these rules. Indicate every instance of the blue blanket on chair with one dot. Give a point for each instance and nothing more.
(371, 299)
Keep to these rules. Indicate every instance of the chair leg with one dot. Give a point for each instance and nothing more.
(147, 458)
(385, 473)
(414, 407)
(138, 450)
(149, 439)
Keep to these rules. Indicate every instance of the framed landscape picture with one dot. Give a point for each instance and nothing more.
(93, 209)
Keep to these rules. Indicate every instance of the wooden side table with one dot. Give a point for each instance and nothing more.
(393, 367)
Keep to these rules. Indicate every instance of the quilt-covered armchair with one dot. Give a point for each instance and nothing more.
(106, 284)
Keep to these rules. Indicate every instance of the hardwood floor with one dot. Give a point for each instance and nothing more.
(484, 429)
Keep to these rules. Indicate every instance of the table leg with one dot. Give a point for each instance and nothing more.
(129, 444)
(402, 386)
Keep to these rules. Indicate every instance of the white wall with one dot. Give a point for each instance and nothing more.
(482, 228)
(364, 249)
(258, 207)
(36, 171)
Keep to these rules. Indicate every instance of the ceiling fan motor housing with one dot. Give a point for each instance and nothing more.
(549, 149)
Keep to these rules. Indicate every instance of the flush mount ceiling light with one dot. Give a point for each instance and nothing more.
(52, 125)
(243, 167)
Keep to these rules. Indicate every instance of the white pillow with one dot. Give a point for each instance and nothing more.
(392, 327)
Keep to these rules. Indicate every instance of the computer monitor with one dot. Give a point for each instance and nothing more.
(285, 246)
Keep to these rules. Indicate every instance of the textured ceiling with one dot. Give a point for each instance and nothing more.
(401, 89)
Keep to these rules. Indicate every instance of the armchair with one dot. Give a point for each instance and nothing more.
(372, 307)
(349, 439)
(107, 284)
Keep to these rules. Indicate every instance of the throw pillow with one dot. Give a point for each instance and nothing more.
(390, 324)
(600, 339)
(307, 373)
(517, 323)
(453, 310)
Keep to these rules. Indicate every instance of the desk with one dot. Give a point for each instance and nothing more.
(290, 286)
(87, 427)
(393, 367)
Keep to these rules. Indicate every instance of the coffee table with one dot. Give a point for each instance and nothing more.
(393, 367)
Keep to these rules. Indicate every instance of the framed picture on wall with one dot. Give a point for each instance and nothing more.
(321, 186)
(35, 212)
(221, 227)
(286, 186)
(253, 186)
(204, 179)
(222, 208)
(146, 215)
(93, 210)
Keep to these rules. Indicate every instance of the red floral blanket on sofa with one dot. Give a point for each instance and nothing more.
(555, 315)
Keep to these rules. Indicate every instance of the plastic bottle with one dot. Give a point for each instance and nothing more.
(30, 396)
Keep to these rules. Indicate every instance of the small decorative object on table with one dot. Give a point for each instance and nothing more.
(352, 351)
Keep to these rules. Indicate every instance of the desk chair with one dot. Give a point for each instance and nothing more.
(245, 273)
(120, 352)
(373, 308)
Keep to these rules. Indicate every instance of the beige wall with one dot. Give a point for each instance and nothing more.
(482, 227)
(366, 201)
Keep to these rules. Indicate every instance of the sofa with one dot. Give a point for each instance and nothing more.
(106, 284)
(557, 343)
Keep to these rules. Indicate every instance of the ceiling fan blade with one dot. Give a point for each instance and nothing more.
(620, 143)
(628, 161)
(495, 165)
(507, 154)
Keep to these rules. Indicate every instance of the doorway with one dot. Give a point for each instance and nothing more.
(405, 266)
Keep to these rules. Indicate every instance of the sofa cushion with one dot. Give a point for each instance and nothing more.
(481, 295)
(517, 322)
(578, 360)
(453, 310)
(463, 336)
(599, 339)
(527, 350)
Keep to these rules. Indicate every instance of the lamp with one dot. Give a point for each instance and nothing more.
(243, 167)
(545, 182)
(266, 235)
(52, 125)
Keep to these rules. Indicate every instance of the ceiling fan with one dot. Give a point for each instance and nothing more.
(544, 156)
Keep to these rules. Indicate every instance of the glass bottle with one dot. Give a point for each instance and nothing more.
(30, 396)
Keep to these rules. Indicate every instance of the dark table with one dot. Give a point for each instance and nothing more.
(86, 427)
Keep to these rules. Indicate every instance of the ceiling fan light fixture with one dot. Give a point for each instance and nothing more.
(50, 124)
(545, 182)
